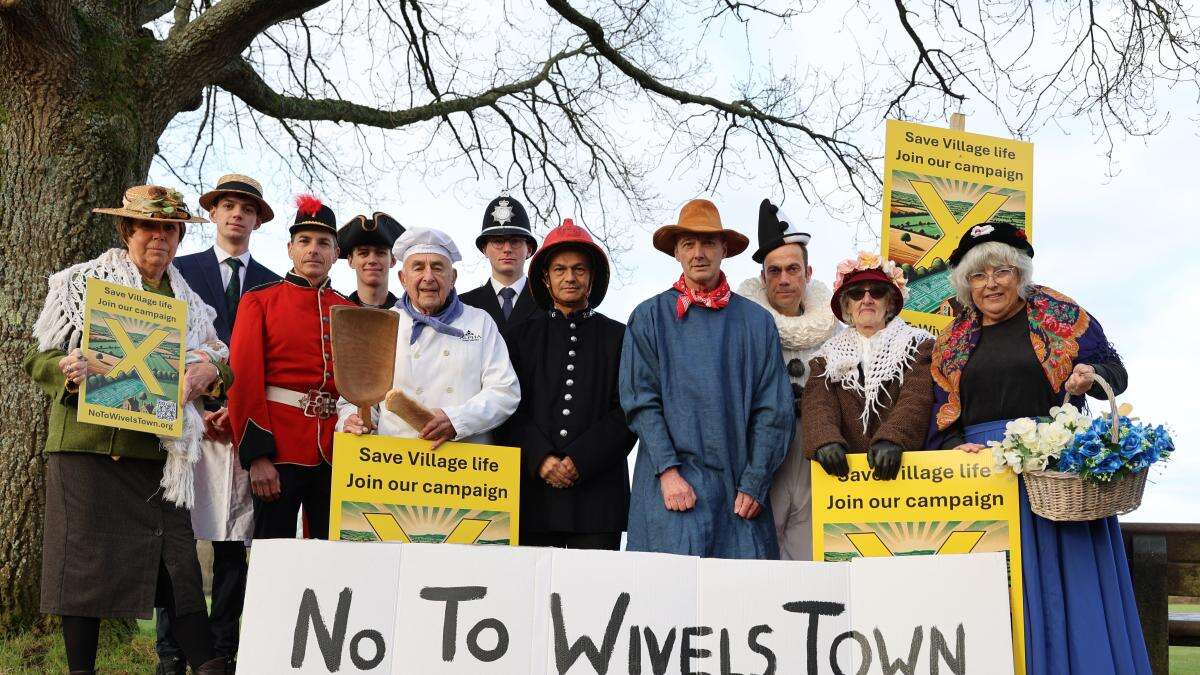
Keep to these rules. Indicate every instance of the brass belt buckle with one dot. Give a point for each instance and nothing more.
(319, 404)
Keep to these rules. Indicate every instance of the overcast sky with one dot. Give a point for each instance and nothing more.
(1122, 245)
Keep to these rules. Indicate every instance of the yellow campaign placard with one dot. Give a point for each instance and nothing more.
(397, 489)
(134, 344)
(943, 502)
(937, 184)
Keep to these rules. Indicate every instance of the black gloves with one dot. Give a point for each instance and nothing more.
(884, 458)
(832, 458)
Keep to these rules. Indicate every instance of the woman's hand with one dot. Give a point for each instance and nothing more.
(832, 458)
(972, 448)
(884, 457)
(197, 378)
(1082, 378)
(74, 366)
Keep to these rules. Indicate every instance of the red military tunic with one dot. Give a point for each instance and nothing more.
(281, 350)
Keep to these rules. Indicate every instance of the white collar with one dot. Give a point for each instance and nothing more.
(223, 255)
(517, 286)
(798, 333)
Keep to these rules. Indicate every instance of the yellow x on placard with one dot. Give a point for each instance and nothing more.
(869, 545)
(135, 357)
(387, 528)
(952, 228)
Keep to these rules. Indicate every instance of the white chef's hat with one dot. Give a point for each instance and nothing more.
(425, 240)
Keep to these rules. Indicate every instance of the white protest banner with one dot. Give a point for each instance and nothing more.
(325, 607)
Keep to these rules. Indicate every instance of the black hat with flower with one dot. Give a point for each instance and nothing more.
(992, 231)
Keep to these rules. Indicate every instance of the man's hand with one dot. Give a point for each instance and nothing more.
(216, 426)
(264, 479)
(1082, 378)
(558, 473)
(197, 378)
(354, 425)
(677, 493)
(972, 448)
(746, 506)
(439, 429)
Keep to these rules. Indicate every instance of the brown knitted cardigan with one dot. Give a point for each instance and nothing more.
(833, 414)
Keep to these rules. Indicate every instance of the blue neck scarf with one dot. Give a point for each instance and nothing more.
(440, 322)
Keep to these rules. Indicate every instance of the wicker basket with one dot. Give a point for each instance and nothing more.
(1059, 496)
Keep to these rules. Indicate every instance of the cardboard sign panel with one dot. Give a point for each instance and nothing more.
(324, 607)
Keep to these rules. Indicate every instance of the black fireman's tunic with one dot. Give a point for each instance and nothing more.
(570, 407)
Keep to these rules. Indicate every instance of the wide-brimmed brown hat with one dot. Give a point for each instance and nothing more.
(699, 216)
(155, 203)
(241, 185)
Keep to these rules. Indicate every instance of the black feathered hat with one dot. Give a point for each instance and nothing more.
(992, 231)
(379, 230)
(311, 214)
(775, 229)
(505, 217)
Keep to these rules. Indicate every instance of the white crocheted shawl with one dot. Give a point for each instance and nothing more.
(60, 326)
(884, 356)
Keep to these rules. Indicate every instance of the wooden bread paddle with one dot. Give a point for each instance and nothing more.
(364, 355)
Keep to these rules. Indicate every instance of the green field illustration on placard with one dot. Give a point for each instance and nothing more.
(364, 521)
(920, 245)
(133, 365)
(846, 541)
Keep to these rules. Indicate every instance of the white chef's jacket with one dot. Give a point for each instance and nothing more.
(471, 378)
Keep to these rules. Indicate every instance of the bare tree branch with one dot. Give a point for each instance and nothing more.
(241, 81)
(198, 51)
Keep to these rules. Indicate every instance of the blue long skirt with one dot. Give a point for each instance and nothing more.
(1080, 613)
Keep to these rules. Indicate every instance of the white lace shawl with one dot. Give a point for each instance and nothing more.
(886, 356)
(60, 326)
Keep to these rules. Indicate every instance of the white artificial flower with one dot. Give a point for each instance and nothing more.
(1021, 427)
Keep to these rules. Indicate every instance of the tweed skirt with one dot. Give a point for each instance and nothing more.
(107, 534)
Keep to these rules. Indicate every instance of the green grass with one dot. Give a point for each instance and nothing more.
(1185, 660)
(36, 652)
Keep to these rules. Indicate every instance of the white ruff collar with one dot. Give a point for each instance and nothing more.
(891, 352)
(60, 326)
(802, 333)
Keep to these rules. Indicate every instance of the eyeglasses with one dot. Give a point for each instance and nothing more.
(877, 291)
(1001, 275)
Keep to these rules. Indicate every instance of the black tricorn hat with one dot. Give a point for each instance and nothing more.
(505, 217)
(243, 186)
(311, 214)
(379, 230)
(775, 229)
(992, 231)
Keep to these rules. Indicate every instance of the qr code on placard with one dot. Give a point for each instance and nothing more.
(165, 410)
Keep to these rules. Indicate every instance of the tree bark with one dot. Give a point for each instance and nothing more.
(71, 137)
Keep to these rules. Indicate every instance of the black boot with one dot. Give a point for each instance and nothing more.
(171, 665)
(217, 666)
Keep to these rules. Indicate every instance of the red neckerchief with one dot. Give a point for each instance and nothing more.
(714, 299)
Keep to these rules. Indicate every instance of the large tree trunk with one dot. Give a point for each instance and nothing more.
(69, 140)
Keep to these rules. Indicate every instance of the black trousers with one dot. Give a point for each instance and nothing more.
(603, 541)
(306, 486)
(228, 594)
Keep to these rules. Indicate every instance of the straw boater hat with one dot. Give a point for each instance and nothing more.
(243, 186)
(699, 216)
(568, 235)
(155, 203)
